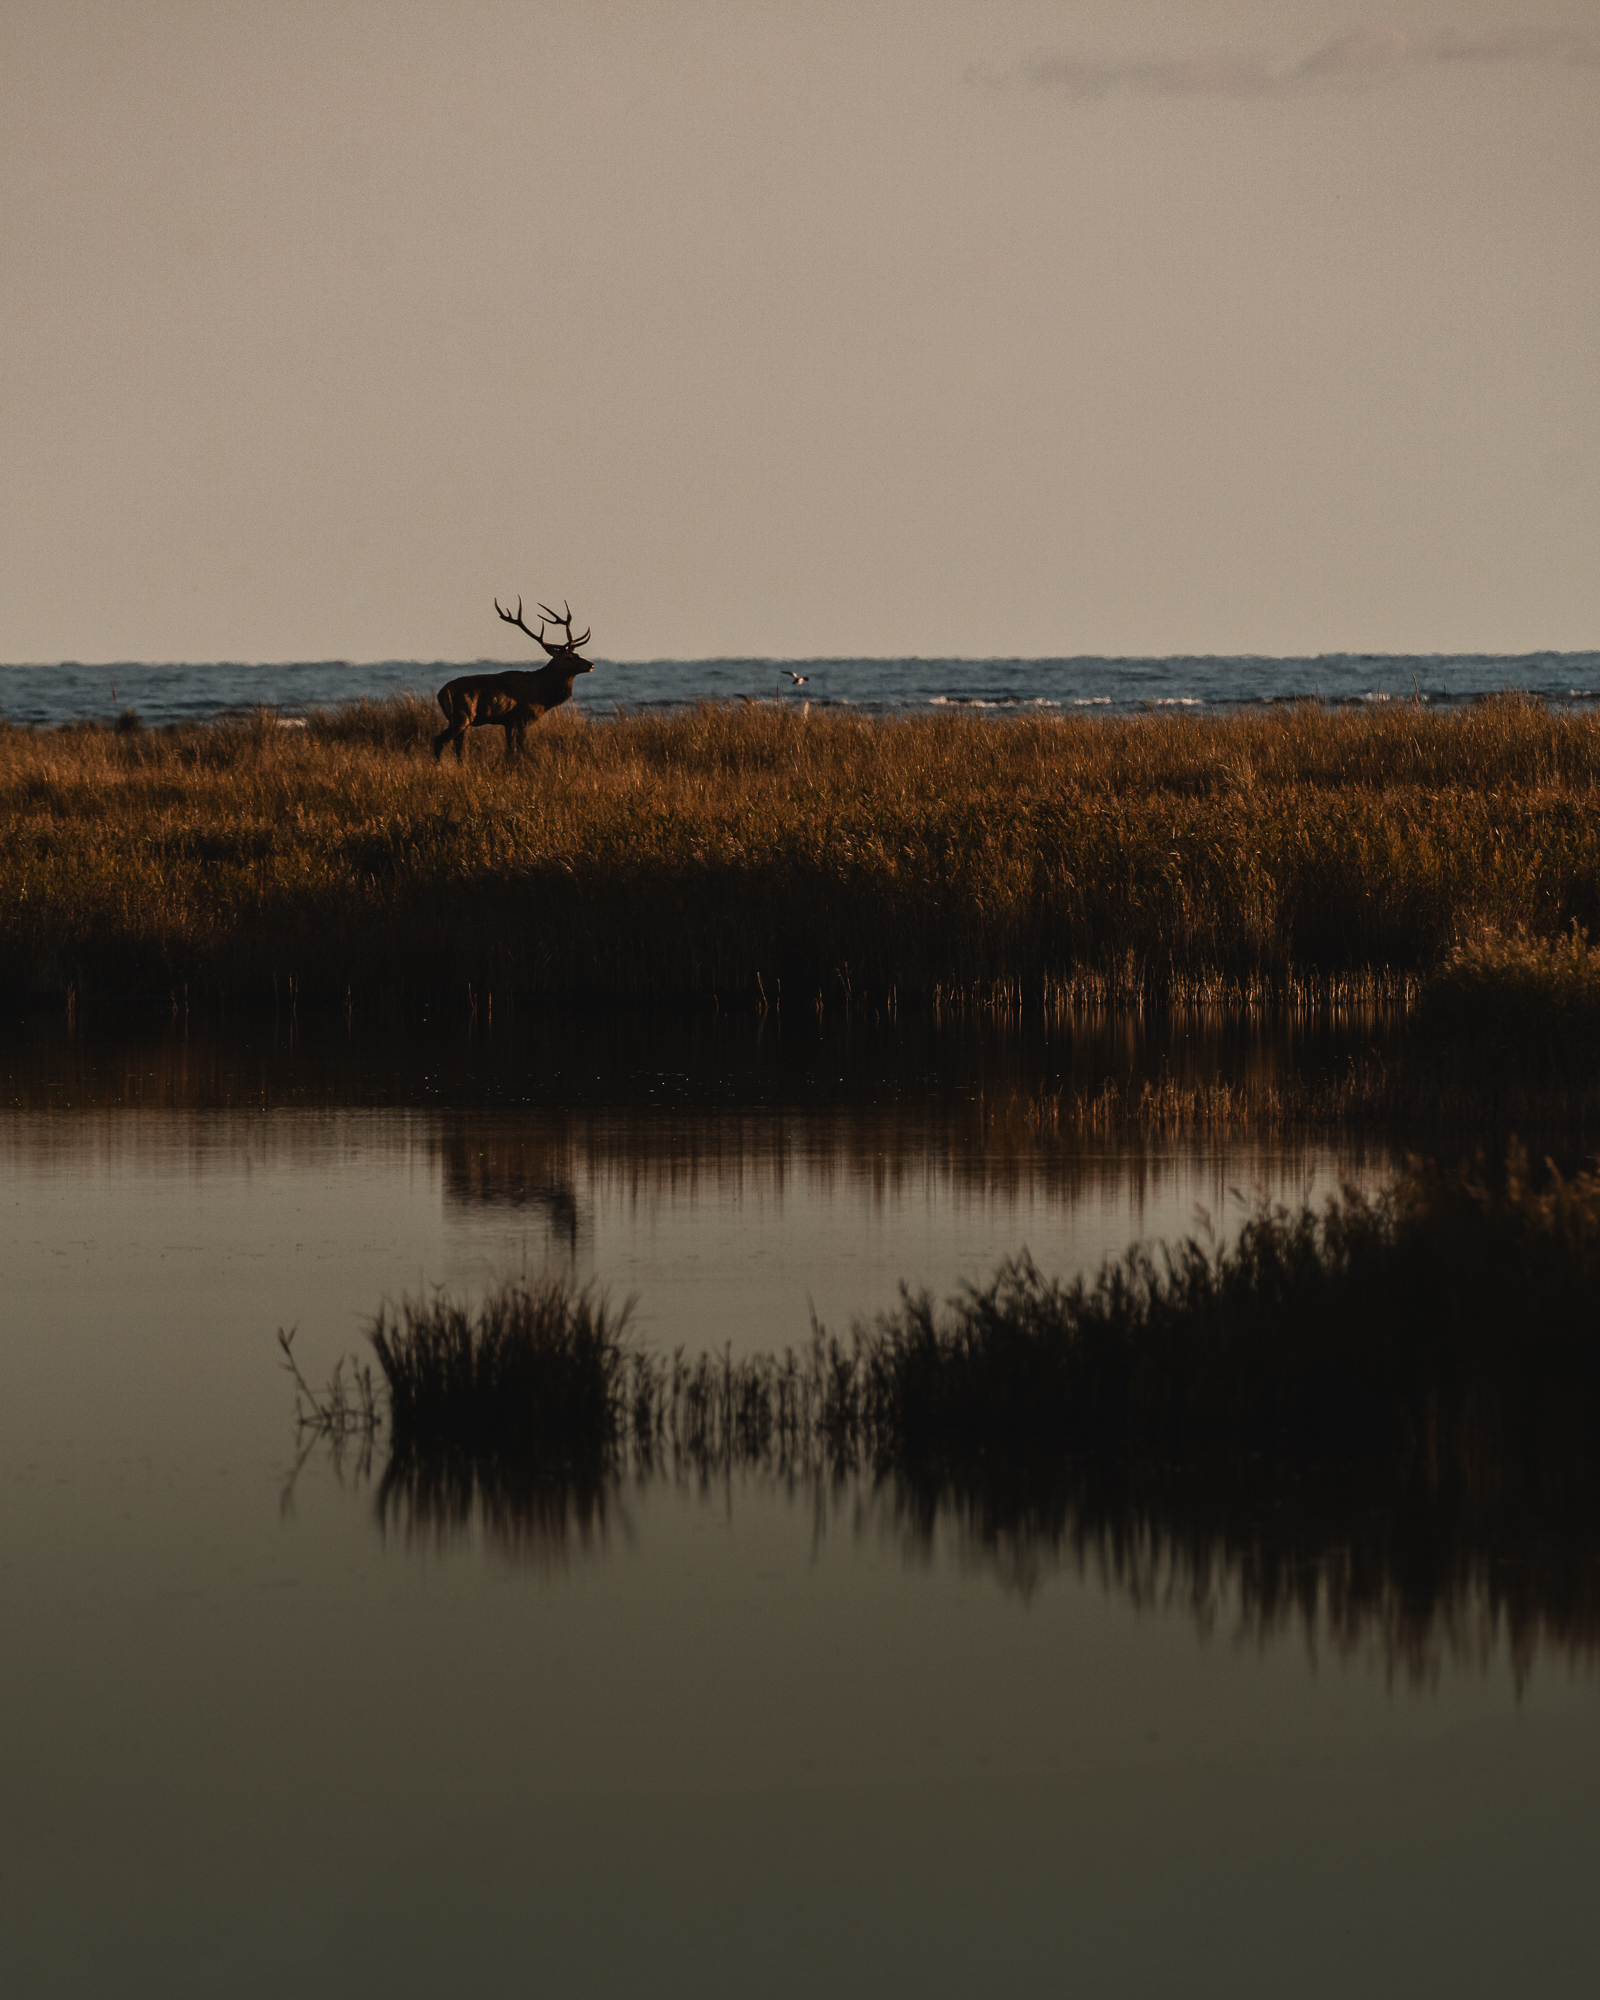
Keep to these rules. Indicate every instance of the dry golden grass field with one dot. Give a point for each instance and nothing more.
(757, 854)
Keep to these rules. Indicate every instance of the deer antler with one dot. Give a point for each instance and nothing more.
(570, 645)
(515, 618)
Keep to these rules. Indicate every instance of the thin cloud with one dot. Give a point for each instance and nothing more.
(1370, 55)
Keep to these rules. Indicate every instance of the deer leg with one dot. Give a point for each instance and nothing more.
(457, 721)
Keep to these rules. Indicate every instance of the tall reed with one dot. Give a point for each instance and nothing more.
(537, 1375)
(1447, 1329)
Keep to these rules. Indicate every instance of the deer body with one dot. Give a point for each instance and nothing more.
(514, 698)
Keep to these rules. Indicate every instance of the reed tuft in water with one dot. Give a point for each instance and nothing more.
(536, 1374)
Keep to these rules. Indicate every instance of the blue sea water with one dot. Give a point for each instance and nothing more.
(70, 692)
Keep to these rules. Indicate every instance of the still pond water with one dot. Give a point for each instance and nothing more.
(732, 1737)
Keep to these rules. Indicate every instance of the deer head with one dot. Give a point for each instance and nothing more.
(567, 651)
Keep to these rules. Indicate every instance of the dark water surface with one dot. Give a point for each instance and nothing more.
(72, 692)
(713, 1735)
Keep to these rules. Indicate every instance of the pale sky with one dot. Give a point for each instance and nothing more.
(1103, 326)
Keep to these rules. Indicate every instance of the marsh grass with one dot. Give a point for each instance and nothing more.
(1294, 858)
(1374, 1421)
(1527, 998)
(537, 1374)
(1447, 1330)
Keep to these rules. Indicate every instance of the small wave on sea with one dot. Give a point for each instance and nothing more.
(1005, 701)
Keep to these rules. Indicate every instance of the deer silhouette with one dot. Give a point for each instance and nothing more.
(513, 699)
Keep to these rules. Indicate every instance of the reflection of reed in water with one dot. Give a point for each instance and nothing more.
(524, 1511)
(1359, 1564)
(1135, 1076)
(1358, 1560)
(1000, 1144)
(679, 1063)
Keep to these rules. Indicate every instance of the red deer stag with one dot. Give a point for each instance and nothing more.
(513, 699)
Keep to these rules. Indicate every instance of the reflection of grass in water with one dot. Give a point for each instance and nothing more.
(1354, 1557)
(527, 1510)
(1420, 1087)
